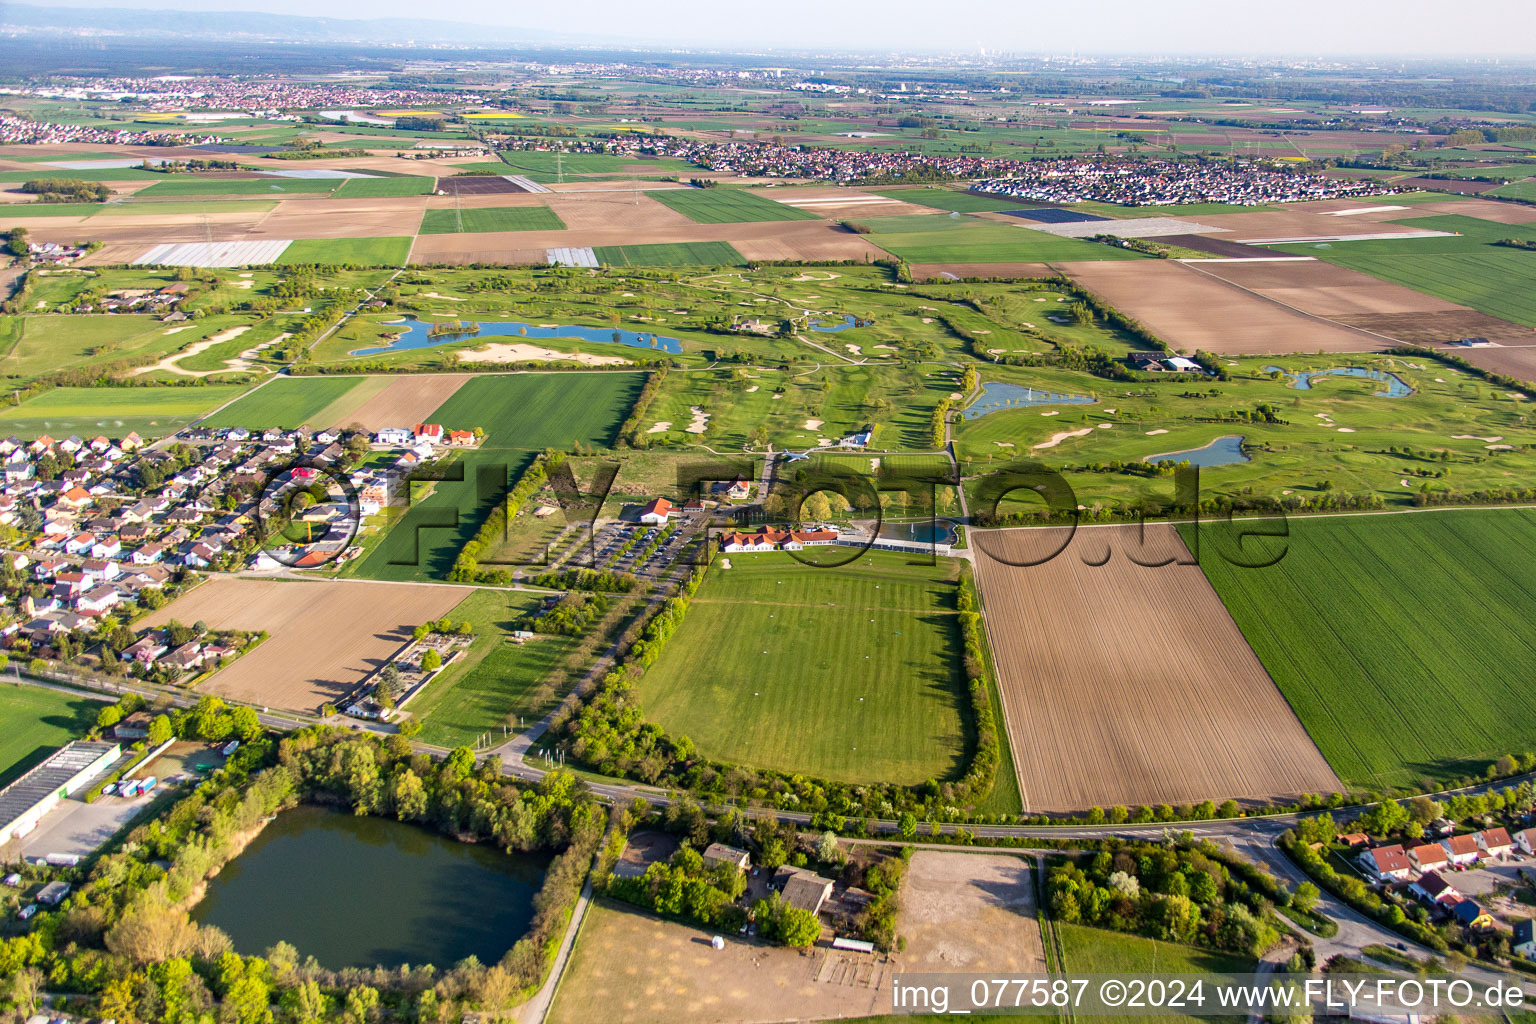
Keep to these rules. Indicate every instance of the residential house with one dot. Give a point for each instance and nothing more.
(392, 436)
(147, 649)
(203, 556)
(719, 853)
(461, 438)
(801, 888)
(1433, 889)
(147, 555)
(188, 656)
(97, 600)
(1386, 863)
(1524, 942)
(75, 498)
(1471, 915)
(1463, 850)
(106, 547)
(427, 433)
(1495, 843)
(1428, 857)
(1525, 839)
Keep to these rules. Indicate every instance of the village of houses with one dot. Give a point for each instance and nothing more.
(1457, 877)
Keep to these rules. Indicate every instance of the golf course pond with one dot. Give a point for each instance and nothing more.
(1395, 386)
(1224, 451)
(356, 891)
(416, 334)
(995, 397)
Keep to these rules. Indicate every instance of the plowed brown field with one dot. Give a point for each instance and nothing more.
(402, 402)
(325, 636)
(1124, 684)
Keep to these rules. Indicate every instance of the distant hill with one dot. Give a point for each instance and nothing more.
(35, 20)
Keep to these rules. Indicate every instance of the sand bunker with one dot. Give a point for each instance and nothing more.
(497, 352)
(813, 424)
(699, 422)
(1056, 439)
(1475, 437)
(1151, 432)
(660, 427)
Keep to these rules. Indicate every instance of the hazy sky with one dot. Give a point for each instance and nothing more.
(1151, 27)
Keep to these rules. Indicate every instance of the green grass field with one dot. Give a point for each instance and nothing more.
(547, 167)
(491, 218)
(1400, 641)
(670, 254)
(33, 345)
(522, 415)
(284, 402)
(375, 188)
(847, 673)
(370, 252)
(960, 239)
(152, 412)
(36, 722)
(726, 206)
(162, 207)
(14, 211)
(201, 186)
(1525, 190)
(1100, 951)
(497, 679)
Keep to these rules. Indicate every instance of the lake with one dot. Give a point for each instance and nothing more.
(1396, 387)
(417, 334)
(995, 397)
(358, 891)
(1224, 451)
(939, 531)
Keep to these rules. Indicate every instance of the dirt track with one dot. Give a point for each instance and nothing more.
(1128, 685)
(325, 636)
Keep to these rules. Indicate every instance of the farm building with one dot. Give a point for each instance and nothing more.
(24, 802)
(801, 888)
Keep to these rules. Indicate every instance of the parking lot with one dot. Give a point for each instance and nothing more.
(78, 828)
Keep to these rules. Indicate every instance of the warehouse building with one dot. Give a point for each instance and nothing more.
(24, 802)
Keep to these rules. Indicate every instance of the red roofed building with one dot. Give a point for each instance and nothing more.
(432, 433)
(461, 438)
(771, 539)
(1462, 849)
(1428, 857)
(656, 513)
(1495, 842)
(1386, 862)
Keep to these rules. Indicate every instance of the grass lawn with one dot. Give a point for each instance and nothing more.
(1517, 190)
(1099, 951)
(36, 344)
(36, 722)
(202, 186)
(1400, 641)
(847, 673)
(491, 218)
(497, 680)
(151, 412)
(726, 206)
(285, 403)
(959, 239)
(670, 254)
(372, 252)
(372, 188)
(522, 415)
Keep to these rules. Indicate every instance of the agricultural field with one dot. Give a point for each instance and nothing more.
(670, 254)
(373, 188)
(953, 200)
(961, 239)
(1417, 676)
(326, 637)
(1100, 951)
(285, 403)
(490, 218)
(847, 673)
(726, 206)
(151, 412)
(1083, 643)
(522, 414)
(35, 722)
(198, 185)
(496, 683)
(366, 252)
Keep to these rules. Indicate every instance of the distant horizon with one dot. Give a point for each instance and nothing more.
(1417, 30)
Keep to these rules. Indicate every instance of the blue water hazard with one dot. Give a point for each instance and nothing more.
(938, 531)
(1224, 451)
(995, 397)
(415, 334)
(829, 327)
(1395, 386)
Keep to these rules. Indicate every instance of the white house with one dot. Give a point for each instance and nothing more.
(1463, 850)
(1526, 840)
(1525, 939)
(1386, 862)
(656, 513)
(393, 436)
(1428, 857)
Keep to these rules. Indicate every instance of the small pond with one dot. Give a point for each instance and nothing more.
(995, 397)
(1224, 451)
(358, 891)
(1396, 388)
(415, 333)
(846, 322)
(939, 531)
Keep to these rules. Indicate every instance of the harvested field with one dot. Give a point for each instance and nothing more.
(950, 271)
(679, 977)
(1192, 310)
(1482, 209)
(1291, 222)
(1461, 188)
(1443, 326)
(970, 912)
(635, 211)
(1218, 246)
(395, 402)
(325, 636)
(1126, 685)
(1518, 361)
(1327, 290)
